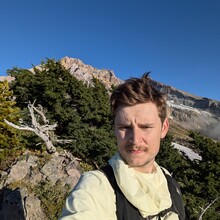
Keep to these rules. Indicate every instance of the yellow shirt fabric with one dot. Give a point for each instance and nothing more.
(93, 197)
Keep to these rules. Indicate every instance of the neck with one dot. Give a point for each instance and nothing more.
(148, 168)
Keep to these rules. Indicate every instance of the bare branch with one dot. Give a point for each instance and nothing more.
(40, 112)
(207, 207)
(45, 131)
(27, 128)
(64, 141)
(33, 119)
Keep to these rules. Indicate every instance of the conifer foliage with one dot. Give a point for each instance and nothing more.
(82, 112)
(202, 188)
(199, 179)
(8, 135)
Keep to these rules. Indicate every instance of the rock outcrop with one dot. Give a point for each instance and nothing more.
(192, 112)
(86, 72)
(18, 196)
(7, 78)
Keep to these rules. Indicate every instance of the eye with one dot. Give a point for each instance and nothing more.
(145, 127)
(123, 127)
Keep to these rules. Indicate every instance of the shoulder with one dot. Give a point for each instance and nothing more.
(165, 171)
(91, 198)
(169, 176)
(93, 180)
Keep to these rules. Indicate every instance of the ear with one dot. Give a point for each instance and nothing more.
(165, 128)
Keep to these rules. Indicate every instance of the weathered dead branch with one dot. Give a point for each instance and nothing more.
(203, 210)
(44, 131)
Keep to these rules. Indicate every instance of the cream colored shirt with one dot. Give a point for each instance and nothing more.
(93, 197)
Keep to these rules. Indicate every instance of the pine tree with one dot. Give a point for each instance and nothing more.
(82, 112)
(8, 135)
(201, 178)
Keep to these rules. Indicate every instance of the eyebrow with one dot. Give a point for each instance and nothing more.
(145, 124)
(139, 124)
(123, 124)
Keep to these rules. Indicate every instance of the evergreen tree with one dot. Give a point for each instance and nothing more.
(203, 184)
(82, 112)
(174, 161)
(8, 135)
(199, 179)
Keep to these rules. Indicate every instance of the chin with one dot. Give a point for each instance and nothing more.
(137, 163)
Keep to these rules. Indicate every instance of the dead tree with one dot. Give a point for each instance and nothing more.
(44, 130)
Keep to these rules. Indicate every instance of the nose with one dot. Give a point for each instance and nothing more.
(135, 136)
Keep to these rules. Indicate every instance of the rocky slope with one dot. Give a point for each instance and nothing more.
(191, 112)
(85, 72)
(29, 186)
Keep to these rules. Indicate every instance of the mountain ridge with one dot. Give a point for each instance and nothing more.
(187, 111)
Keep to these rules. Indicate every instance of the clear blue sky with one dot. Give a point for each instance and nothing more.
(177, 40)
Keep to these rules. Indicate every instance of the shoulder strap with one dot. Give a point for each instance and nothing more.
(126, 211)
(176, 196)
(108, 171)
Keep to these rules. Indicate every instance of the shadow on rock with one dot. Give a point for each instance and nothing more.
(11, 207)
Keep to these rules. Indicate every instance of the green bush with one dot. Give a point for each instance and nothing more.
(52, 198)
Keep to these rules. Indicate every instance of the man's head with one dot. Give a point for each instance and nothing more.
(138, 90)
(140, 122)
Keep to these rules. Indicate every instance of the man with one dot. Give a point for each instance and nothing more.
(134, 186)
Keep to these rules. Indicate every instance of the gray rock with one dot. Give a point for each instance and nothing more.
(33, 209)
(23, 203)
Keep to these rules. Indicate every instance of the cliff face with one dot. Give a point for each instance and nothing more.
(85, 72)
(182, 98)
(192, 112)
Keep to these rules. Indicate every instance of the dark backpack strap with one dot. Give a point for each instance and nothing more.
(176, 196)
(108, 171)
(126, 211)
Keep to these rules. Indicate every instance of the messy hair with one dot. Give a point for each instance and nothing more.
(138, 90)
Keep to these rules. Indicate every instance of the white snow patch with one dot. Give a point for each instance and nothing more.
(189, 152)
(185, 107)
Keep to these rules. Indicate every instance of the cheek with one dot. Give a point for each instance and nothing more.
(119, 134)
(153, 141)
(157, 145)
(120, 137)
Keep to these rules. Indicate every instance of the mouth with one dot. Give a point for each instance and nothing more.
(136, 151)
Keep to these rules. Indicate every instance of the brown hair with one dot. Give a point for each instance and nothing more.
(138, 90)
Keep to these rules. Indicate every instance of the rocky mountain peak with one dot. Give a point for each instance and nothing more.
(86, 72)
(183, 98)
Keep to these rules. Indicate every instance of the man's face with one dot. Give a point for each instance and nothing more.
(138, 130)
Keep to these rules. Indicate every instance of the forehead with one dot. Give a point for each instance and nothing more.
(143, 111)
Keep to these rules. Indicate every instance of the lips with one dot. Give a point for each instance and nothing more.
(136, 151)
